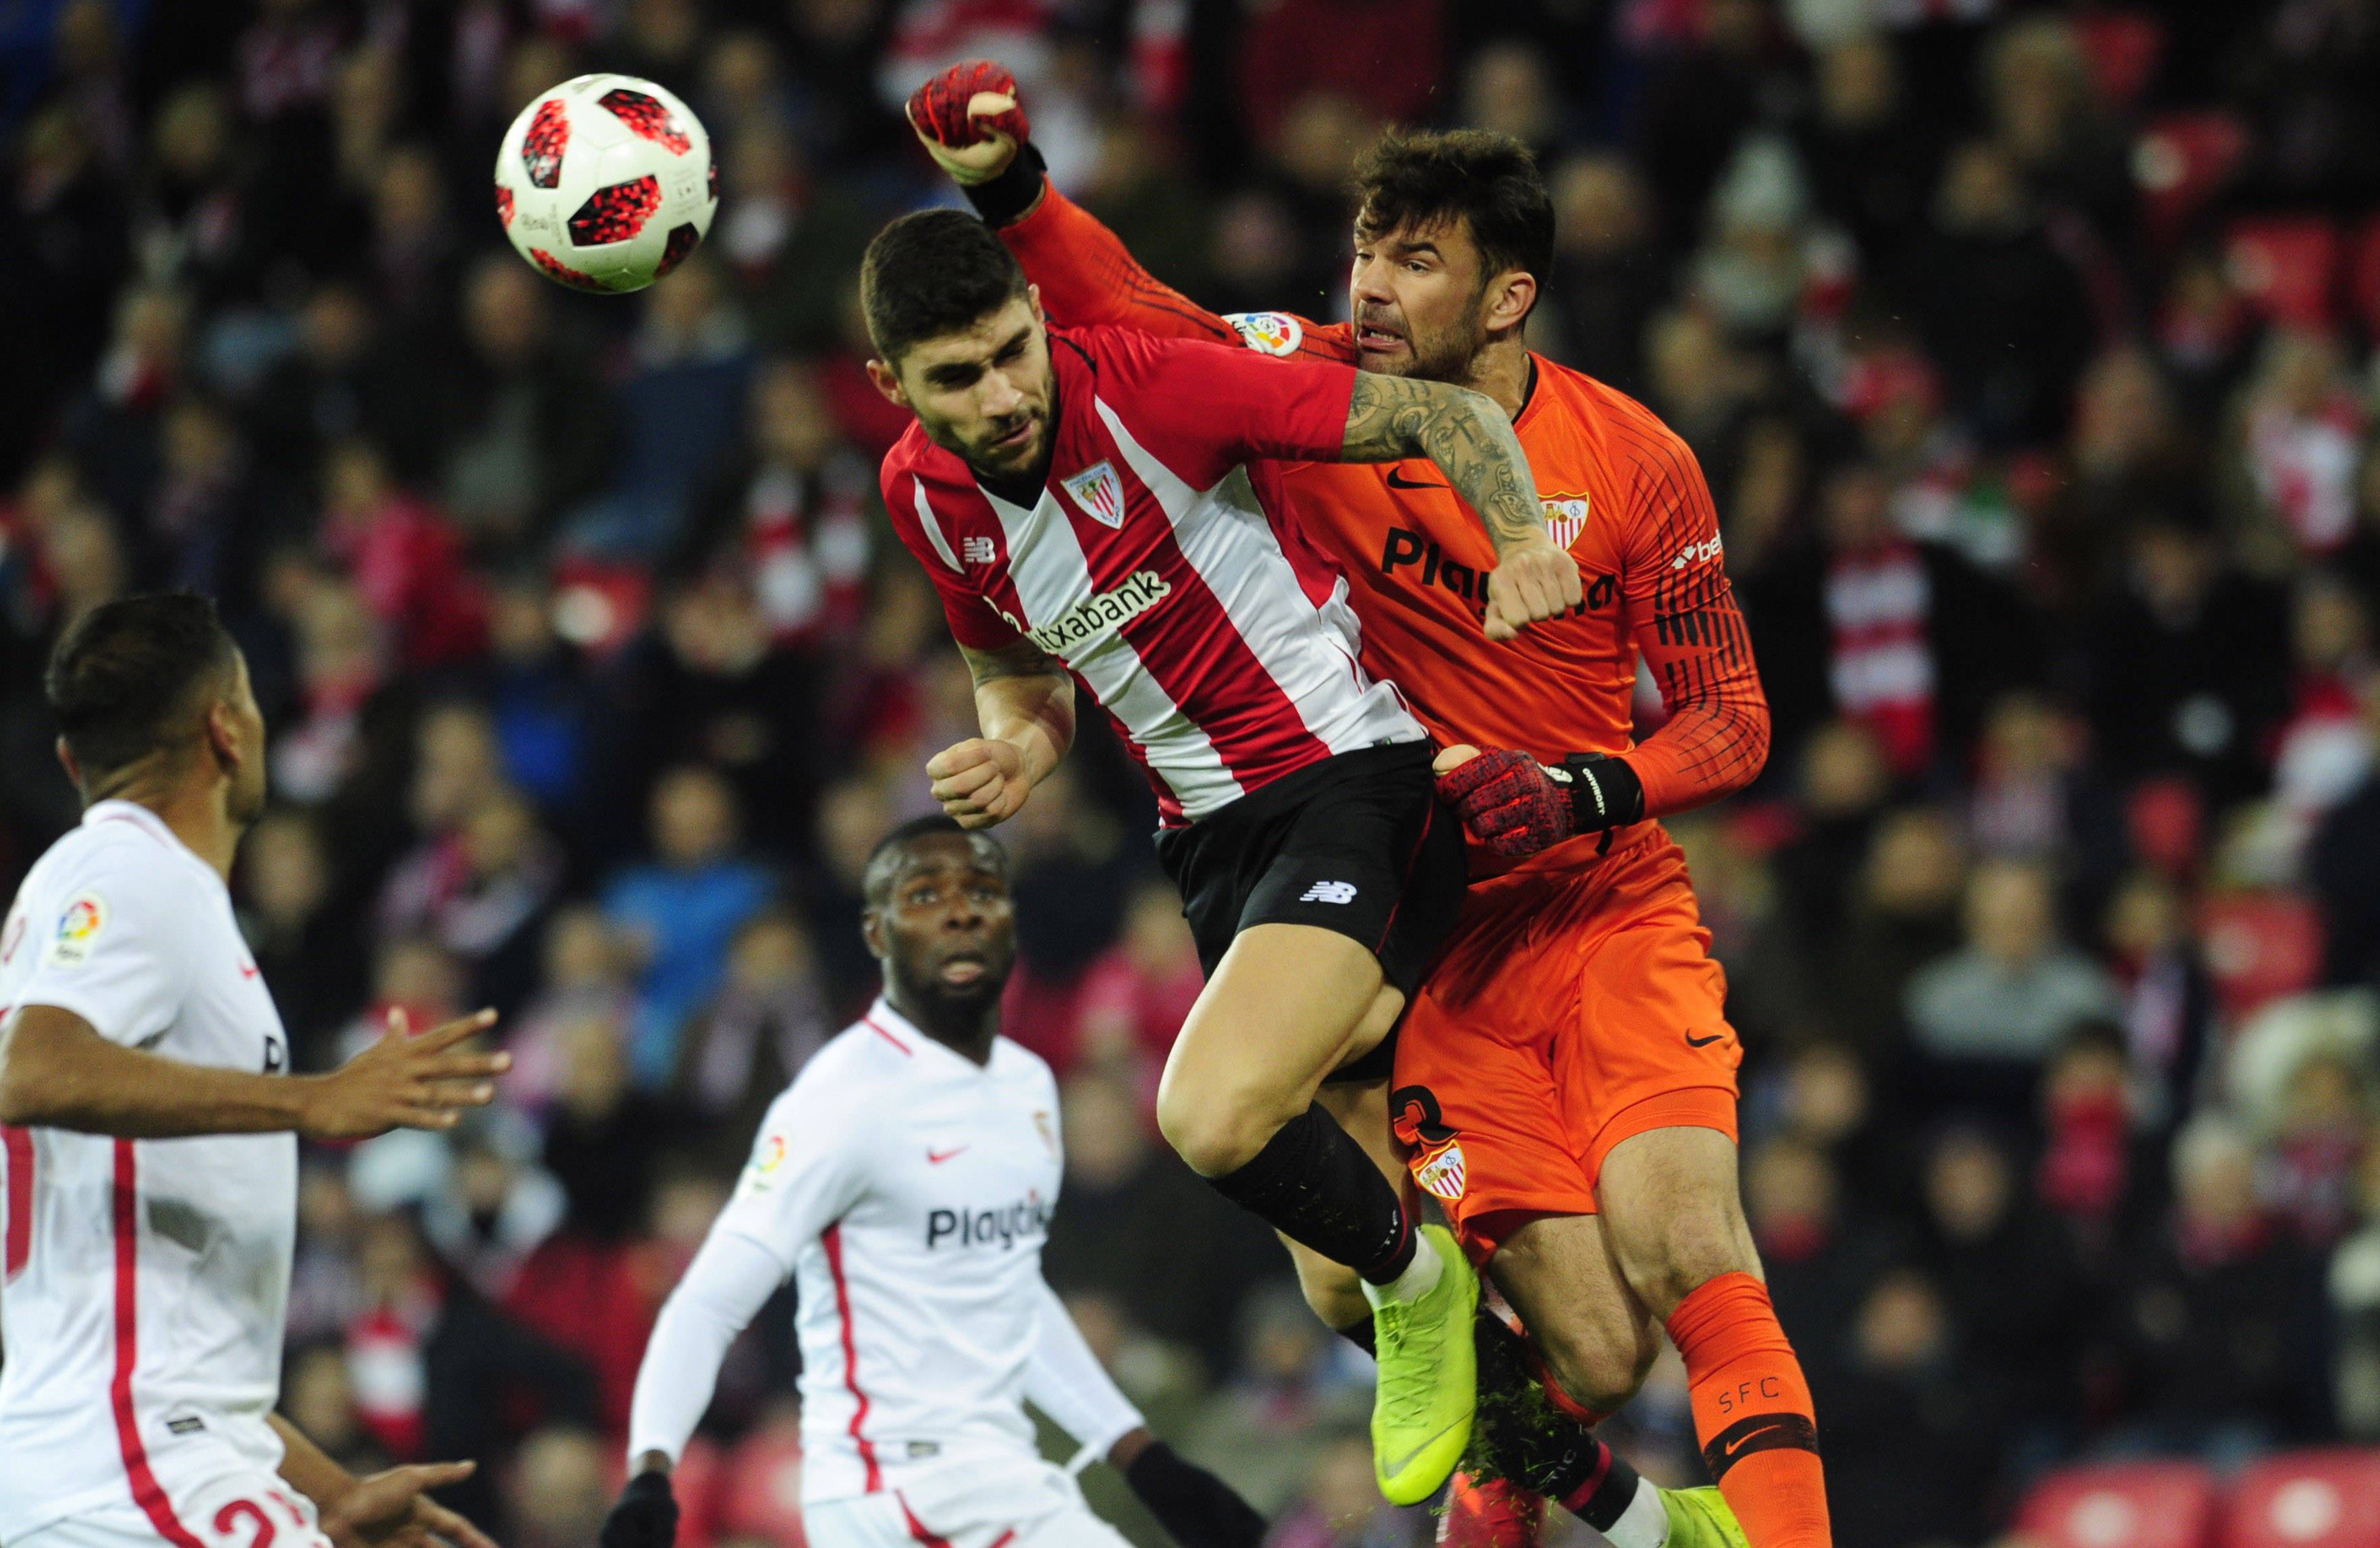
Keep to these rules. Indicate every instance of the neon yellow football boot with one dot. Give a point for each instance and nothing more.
(1702, 1518)
(1427, 1394)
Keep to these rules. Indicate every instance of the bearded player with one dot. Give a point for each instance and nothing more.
(1097, 506)
(1565, 1084)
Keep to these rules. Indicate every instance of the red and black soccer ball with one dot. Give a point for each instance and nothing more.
(605, 183)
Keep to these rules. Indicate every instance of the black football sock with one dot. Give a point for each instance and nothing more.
(1314, 1185)
(1538, 1445)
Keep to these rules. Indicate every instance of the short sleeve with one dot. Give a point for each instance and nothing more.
(973, 622)
(114, 950)
(806, 1172)
(1202, 410)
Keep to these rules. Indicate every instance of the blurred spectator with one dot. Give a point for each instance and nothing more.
(2309, 1172)
(1815, 1257)
(2300, 428)
(406, 559)
(2343, 865)
(437, 1371)
(321, 1401)
(585, 978)
(603, 1138)
(2010, 1278)
(1265, 1430)
(479, 888)
(681, 910)
(2354, 1292)
(2222, 1316)
(1921, 1421)
(1904, 915)
(770, 1016)
(2015, 986)
(1136, 996)
(1139, 1229)
(2188, 661)
(2097, 1164)
(1608, 275)
(1339, 1506)
(1871, 161)
(2000, 306)
(560, 1488)
(310, 951)
(2167, 1002)
(530, 431)
(1844, 781)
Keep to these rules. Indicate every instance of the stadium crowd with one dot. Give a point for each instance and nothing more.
(2028, 350)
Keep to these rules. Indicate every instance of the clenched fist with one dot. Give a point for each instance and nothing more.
(970, 120)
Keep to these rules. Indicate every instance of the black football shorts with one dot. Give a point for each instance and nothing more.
(1356, 843)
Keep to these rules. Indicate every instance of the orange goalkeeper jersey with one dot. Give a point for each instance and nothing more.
(1620, 490)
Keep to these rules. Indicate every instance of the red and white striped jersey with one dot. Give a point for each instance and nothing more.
(1158, 566)
(145, 1281)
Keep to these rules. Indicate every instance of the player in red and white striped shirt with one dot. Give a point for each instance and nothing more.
(1095, 506)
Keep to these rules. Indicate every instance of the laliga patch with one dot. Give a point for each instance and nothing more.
(1268, 332)
(1441, 1171)
(1565, 517)
(80, 924)
(1099, 492)
(767, 1163)
(1048, 1131)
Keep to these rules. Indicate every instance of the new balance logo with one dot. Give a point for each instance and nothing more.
(1328, 892)
(977, 551)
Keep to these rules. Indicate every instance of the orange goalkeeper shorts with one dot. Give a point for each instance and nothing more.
(1574, 1006)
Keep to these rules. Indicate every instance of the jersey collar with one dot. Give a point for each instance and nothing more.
(883, 1021)
(115, 810)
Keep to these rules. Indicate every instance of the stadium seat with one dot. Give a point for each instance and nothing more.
(2180, 162)
(696, 1481)
(2287, 267)
(2260, 945)
(2122, 49)
(2124, 1504)
(2364, 273)
(760, 1494)
(2328, 1498)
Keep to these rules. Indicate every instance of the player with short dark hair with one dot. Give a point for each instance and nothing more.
(905, 1182)
(1100, 507)
(147, 1124)
(1565, 1084)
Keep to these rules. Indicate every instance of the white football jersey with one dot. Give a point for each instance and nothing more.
(907, 1190)
(145, 1280)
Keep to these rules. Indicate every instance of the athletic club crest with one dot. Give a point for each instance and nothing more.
(1565, 517)
(1099, 492)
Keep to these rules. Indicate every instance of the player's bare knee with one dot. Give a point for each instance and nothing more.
(1599, 1371)
(1212, 1136)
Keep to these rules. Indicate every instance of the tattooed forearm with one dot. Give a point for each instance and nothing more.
(1464, 432)
(1023, 658)
(1022, 694)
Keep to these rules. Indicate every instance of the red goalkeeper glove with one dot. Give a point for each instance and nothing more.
(1516, 805)
(970, 120)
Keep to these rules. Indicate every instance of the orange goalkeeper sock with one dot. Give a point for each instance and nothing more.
(1752, 1412)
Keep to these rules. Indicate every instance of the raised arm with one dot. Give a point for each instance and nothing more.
(1471, 440)
(1024, 701)
(56, 1071)
(971, 122)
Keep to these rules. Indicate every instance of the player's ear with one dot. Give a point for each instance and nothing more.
(871, 930)
(1511, 297)
(222, 734)
(888, 382)
(66, 762)
(1033, 299)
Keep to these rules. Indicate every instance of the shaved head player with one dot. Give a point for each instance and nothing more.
(149, 1121)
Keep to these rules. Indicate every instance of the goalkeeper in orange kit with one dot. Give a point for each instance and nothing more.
(1564, 1082)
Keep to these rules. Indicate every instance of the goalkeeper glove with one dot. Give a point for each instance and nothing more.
(970, 120)
(1516, 805)
(645, 1518)
(1198, 1508)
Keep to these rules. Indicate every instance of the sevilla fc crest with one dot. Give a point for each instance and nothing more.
(1099, 492)
(1442, 1170)
(1565, 517)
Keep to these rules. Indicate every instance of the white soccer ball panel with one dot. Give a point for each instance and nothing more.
(605, 183)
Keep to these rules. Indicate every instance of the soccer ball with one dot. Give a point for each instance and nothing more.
(606, 182)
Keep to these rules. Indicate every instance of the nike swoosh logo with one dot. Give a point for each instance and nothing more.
(1706, 1042)
(1735, 1445)
(1400, 1464)
(247, 969)
(1398, 481)
(936, 1158)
